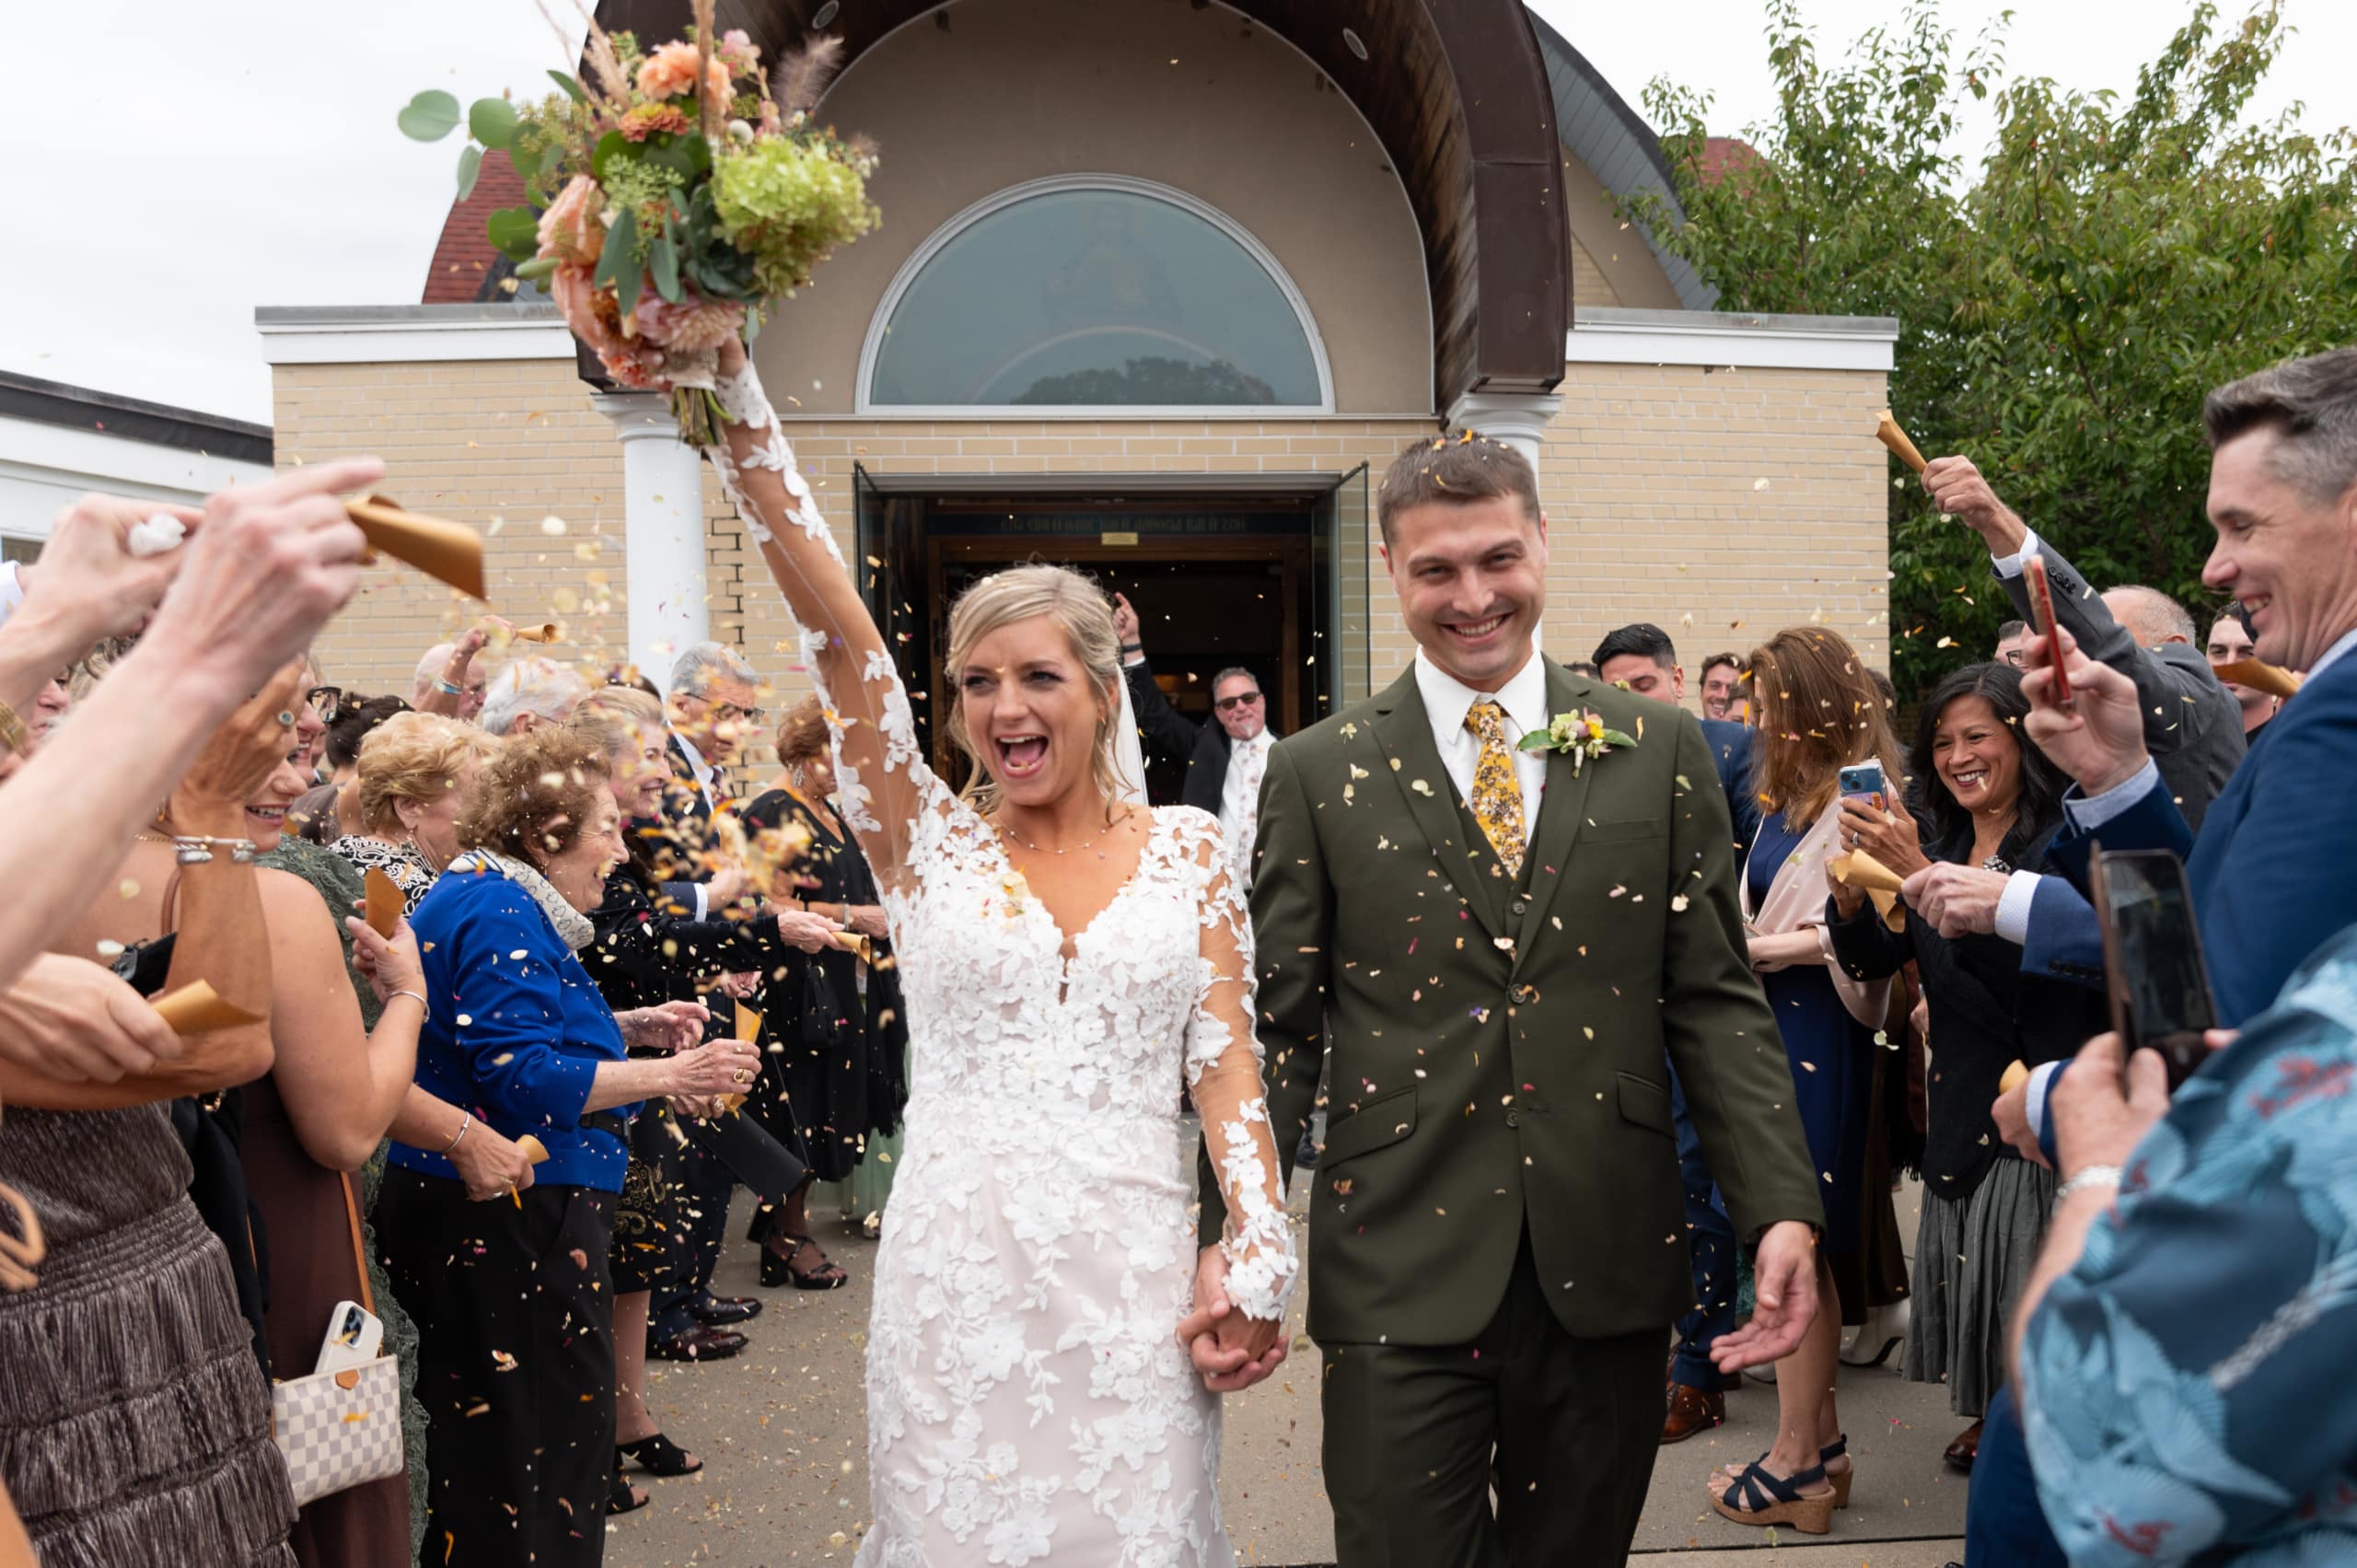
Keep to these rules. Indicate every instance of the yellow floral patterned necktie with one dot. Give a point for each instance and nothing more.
(1497, 786)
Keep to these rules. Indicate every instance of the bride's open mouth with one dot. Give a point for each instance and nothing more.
(1021, 756)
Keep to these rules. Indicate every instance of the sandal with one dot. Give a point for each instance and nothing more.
(624, 1498)
(1838, 1449)
(1759, 1497)
(659, 1456)
(777, 1268)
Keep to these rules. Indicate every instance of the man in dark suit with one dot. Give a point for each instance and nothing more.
(1641, 659)
(2274, 869)
(1497, 946)
(1239, 734)
(2192, 727)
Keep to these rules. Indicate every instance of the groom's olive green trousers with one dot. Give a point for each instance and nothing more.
(1570, 1426)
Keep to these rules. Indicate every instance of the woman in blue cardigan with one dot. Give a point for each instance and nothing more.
(517, 1368)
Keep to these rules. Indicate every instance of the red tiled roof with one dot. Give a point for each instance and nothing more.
(463, 257)
(1723, 155)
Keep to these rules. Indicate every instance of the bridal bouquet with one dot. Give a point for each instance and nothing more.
(673, 194)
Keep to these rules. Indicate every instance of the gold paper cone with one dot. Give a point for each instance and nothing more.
(196, 1009)
(853, 942)
(2014, 1077)
(1889, 435)
(749, 1025)
(544, 633)
(2260, 676)
(384, 903)
(534, 1150)
(1860, 869)
(450, 552)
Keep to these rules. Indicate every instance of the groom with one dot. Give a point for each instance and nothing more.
(1497, 947)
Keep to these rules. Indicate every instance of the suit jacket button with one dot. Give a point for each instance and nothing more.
(1513, 1117)
(1522, 906)
(1525, 995)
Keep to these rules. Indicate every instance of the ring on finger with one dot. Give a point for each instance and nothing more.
(285, 719)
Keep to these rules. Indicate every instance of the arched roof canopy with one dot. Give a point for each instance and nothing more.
(1457, 90)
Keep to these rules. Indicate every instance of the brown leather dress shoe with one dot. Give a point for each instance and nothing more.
(1965, 1448)
(1691, 1411)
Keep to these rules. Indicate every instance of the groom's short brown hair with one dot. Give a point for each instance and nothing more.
(1457, 467)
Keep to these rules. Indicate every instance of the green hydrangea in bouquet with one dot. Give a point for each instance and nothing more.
(673, 195)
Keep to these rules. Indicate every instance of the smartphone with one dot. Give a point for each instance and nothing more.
(1863, 782)
(355, 1337)
(2042, 622)
(2152, 953)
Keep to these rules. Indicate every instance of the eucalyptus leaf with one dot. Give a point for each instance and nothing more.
(515, 231)
(470, 166)
(663, 266)
(430, 116)
(572, 88)
(492, 121)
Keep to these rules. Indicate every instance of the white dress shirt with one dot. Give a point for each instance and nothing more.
(1239, 803)
(1446, 702)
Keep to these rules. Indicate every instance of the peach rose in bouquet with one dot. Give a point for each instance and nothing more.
(671, 70)
(573, 231)
(591, 312)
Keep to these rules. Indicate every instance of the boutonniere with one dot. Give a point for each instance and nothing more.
(1577, 736)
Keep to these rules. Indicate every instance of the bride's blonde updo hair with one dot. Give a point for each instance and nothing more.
(1079, 608)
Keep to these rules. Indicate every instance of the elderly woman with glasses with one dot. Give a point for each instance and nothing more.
(415, 771)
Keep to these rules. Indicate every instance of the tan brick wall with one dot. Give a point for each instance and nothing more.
(1649, 475)
(1722, 505)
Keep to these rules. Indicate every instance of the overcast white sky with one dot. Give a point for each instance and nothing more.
(242, 152)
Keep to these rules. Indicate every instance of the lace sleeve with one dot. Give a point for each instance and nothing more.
(1223, 1072)
(880, 774)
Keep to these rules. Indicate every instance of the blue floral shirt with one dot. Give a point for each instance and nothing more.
(2185, 1386)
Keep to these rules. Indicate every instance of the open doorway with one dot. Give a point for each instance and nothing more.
(1270, 579)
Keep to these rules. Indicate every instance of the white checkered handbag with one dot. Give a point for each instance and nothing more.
(339, 1429)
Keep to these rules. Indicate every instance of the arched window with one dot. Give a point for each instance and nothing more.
(1093, 291)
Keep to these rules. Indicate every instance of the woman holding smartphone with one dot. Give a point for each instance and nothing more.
(1994, 803)
(1820, 713)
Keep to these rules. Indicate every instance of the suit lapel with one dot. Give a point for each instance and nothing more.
(1404, 729)
(1561, 812)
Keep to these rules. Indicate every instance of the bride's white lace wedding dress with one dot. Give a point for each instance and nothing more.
(1028, 1400)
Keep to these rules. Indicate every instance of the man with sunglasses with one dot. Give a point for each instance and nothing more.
(1225, 760)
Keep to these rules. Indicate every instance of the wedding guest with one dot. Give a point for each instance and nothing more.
(1819, 713)
(1994, 803)
(525, 693)
(2230, 641)
(1722, 678)
(518, 1368)
(1640, 658)
(1225, 760)
(2011, 636)
(449, 681)
(326, 812)
(842, 1033)
(414, 775)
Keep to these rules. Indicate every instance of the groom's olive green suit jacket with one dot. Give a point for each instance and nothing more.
(1497, 1045)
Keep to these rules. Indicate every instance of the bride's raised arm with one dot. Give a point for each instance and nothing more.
(879, 775)
(1224, 1075)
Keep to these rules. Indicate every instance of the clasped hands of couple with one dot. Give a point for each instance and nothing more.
(1231, 1352)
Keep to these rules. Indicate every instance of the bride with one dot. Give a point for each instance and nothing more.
(1068, 956)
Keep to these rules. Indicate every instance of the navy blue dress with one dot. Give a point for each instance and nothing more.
(1833, 1072)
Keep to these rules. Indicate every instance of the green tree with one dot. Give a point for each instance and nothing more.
(2063, 310)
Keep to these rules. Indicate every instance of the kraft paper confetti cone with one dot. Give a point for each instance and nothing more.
(534, 1150)
(2014, 1077)
(1859, 869)
(544, 633)
(1889, 435)
(450, 552)
(384, 903)
(2260, 676)
(196, 1009)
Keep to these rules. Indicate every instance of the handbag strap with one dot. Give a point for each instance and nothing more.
(359, 1255)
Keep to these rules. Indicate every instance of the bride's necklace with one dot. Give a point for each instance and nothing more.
(1070, 849)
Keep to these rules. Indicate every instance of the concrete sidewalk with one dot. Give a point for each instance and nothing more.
(781, 1428)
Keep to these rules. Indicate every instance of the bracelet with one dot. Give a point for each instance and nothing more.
(448, 689)
(423, 1006)
(1133, 647)
(12, 731)
(2094, 1176)
(461, 1132)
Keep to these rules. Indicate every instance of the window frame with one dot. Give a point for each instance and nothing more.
(872, 347)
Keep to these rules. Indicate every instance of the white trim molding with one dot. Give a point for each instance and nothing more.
(1615, 336)
(922, 256)
(411, 334)
(1517, 419)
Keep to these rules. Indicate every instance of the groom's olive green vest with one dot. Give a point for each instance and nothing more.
(1497, 1047)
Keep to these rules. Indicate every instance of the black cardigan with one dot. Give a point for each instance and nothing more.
(1985, 1012)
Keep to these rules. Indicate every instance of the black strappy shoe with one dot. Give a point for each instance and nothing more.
(659, 1456)
(624, 1498)
(1759, 1497)
(777, 1268)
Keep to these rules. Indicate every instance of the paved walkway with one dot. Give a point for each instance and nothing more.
(786, 1482)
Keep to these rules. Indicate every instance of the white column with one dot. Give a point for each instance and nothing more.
(663, 531)
(1518, 419)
